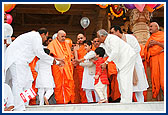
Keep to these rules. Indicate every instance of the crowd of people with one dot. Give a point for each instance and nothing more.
(108, 68)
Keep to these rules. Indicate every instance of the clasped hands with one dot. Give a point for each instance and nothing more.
(61, 61)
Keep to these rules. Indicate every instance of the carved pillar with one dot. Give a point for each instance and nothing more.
(139, 22)
(100, 18)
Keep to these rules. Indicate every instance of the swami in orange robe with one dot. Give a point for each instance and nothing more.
(63, 76)
(34, 73)
(154, 56)
(78, 75)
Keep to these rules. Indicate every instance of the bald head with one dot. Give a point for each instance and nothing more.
(153, 27)
(61, 35)
(80, 38)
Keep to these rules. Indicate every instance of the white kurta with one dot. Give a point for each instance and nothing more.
(118, 51)
(124, 57)
(88, 80)
(142, 84)
(44, 78)
(22, 51)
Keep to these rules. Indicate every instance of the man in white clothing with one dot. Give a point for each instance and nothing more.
(124, 57)
(142, 83)
(17, 58)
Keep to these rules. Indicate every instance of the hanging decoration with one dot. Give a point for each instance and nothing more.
(116, 10)
(140, 7)
(103, 5)
(130, 6)
(62, 7)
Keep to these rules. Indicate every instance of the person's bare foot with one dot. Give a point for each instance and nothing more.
(46, 101)
(102, 101)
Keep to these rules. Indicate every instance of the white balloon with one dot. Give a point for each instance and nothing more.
(85, 22)
(8, 30)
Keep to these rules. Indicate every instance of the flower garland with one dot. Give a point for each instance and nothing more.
(103, 5)
(115, 12)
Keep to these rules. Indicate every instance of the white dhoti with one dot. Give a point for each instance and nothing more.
(18, 86)
(125, 81)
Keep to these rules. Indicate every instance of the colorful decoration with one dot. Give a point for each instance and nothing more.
(130, 6)
(9, 18)
(7, 7)
(62, 7)
(149, 8)
(151, 5)
(140, 7)
(85, 22)
(13, 6)
(103, 5)
(113, 10)
(160, 6)
(69, 41)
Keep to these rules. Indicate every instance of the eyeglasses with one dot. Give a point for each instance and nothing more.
(63, 36)
(80, 38)
(95, 41)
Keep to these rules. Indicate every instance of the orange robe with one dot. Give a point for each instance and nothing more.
(155, 58)
(93, 48)
(80, 95)
(34, 73)
(63, 76)
(112, 72)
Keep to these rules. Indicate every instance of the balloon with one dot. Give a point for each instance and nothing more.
(151, 5)
(13, 6)
(8, 30)
(69, 41)
(140, 7)
(84, 22)
(130, 6)
(62, 7)
(9, 18)
(7, 7)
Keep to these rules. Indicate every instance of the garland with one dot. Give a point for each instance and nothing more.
(115, 12)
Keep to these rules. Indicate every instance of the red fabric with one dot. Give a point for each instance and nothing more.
(102, 74)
